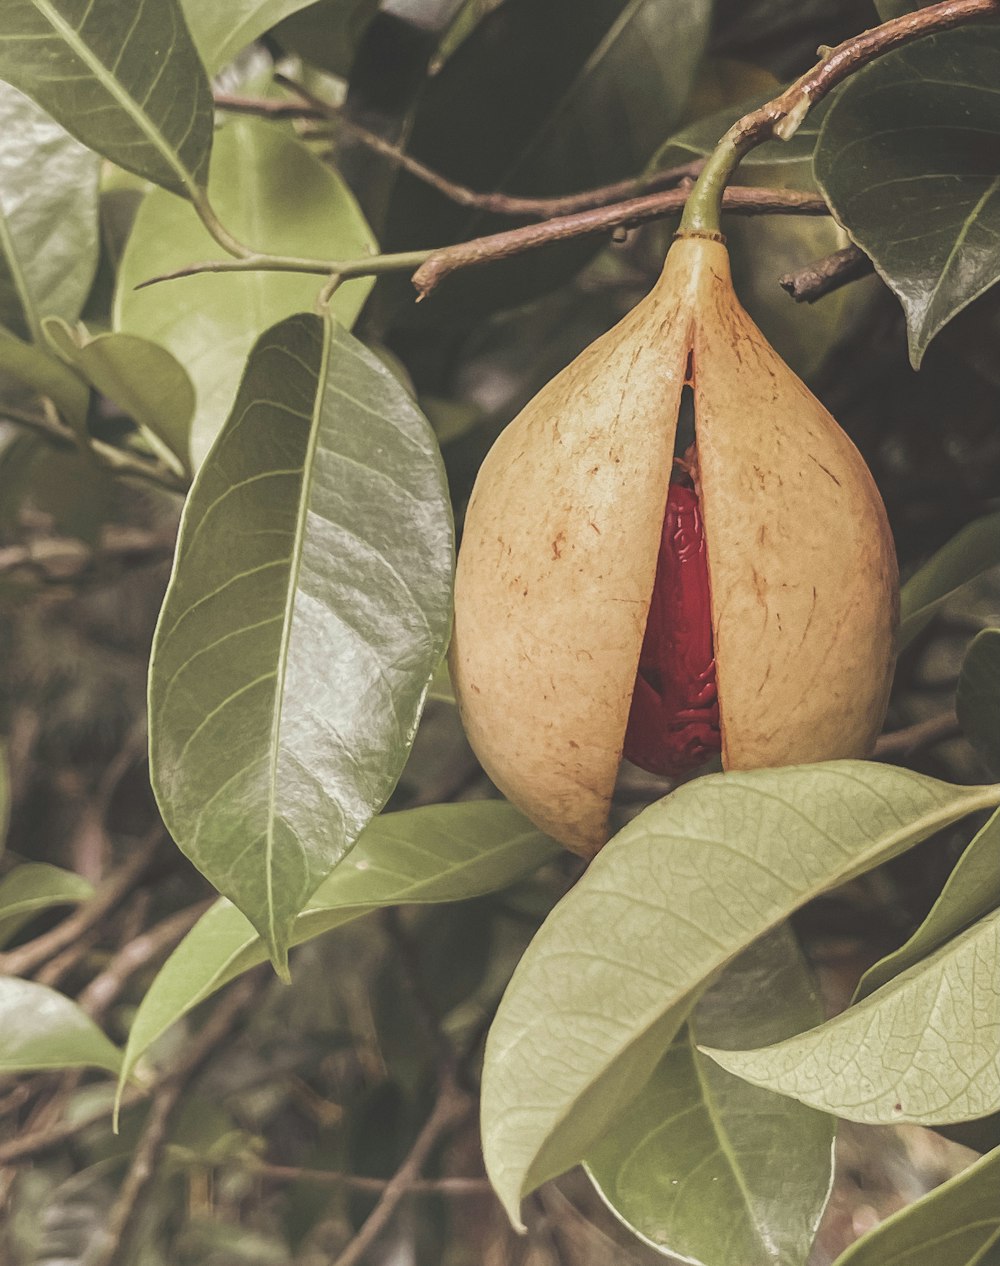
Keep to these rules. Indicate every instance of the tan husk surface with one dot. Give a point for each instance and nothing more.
(561, 539)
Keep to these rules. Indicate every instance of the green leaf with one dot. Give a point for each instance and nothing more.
(921, 1049)
(704, 1166)
(327, 34)
(967, 555)
(37, 886)
(700, 138)
(309, 606)
(121, 75)
(954, 1225)
(907, 160)
(978, 697)
(48, 217)
(274, 193)
(220, 31)
(44, 374)
(40, 1029)
(439, 853)
(972, 890)
(141, 377)
(614, 970)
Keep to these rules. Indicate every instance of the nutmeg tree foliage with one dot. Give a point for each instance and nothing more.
(294, 983)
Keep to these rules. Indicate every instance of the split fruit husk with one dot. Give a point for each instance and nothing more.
(561, 540)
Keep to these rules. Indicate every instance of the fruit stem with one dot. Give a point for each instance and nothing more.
(703, 210)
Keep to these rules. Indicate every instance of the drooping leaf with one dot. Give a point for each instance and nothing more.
(440, 853)
(276, 195)
(957, 1224)
(121, 75)
(141, 377)
(40, 1029)
(309, 606)
(907, 160)
(972, 890)
(967, 555)
(921, 1049)
(978, 697)
(43, 374)
(48, 217)
(220, 31)
(614, 970)
(36, 886)
(706, 1167)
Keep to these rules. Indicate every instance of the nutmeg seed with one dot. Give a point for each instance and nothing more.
(562, 534)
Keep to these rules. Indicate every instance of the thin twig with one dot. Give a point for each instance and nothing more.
(450, 1107)
(825, 275)
(372, 1186)
(25, 958)
(166, 1099)
(911, 738)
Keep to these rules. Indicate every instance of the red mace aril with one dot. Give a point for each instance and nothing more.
(580, 620)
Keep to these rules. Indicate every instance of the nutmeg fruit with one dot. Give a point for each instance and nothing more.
(564, 537)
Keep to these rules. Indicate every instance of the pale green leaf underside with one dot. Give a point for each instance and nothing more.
(41, 1029)
(308, 608)
(439, 853)
(924, 1048)
(48, 217)
(973, 550)
(706, 1167)
(672, 898)
(972, 890)
(220, 31)
(907, 160)
(954, 1225)
(123, 78)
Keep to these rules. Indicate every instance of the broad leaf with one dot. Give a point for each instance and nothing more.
(141, 377)
(43, 374)
(121, 75)
(978, 697)
(614, 970)
(957, 1224)
(327, 34)
(907, 160)
(37, 886)
(972, 890)
(921, 1049)
(275, 194)
(309, 606)
(40, 1029)
(967, 555)
(439, 853)
(221, 30)
(701, 1164)
(48, 217)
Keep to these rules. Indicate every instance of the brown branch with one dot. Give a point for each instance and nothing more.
(371, 1186)
(822, 277)
(166, 1099)
(44, 1140)
(57, 560)
(912, 738)
(25, 958)
(450, 1107)
(484, 250)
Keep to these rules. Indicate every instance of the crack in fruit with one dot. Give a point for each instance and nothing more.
(673, 724)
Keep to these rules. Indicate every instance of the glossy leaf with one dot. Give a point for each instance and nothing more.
(41, 1029)
(36, 886)
(614, 970)
(121, 75)
(704, 1166)
(141, 377)
(439, 853)
(220, 31)
(967, 555)
(48, 217)
(907, 160)
(275, 194)
(954, 1225)
(921, 1049)
(972, 890)
(309, 606)
(978, 697)
(43, 374)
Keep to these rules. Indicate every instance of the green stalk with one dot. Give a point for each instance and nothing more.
(703, 210)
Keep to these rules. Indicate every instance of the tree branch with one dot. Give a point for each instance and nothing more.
(826, 275)
(371, 1186)
(904, 742)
